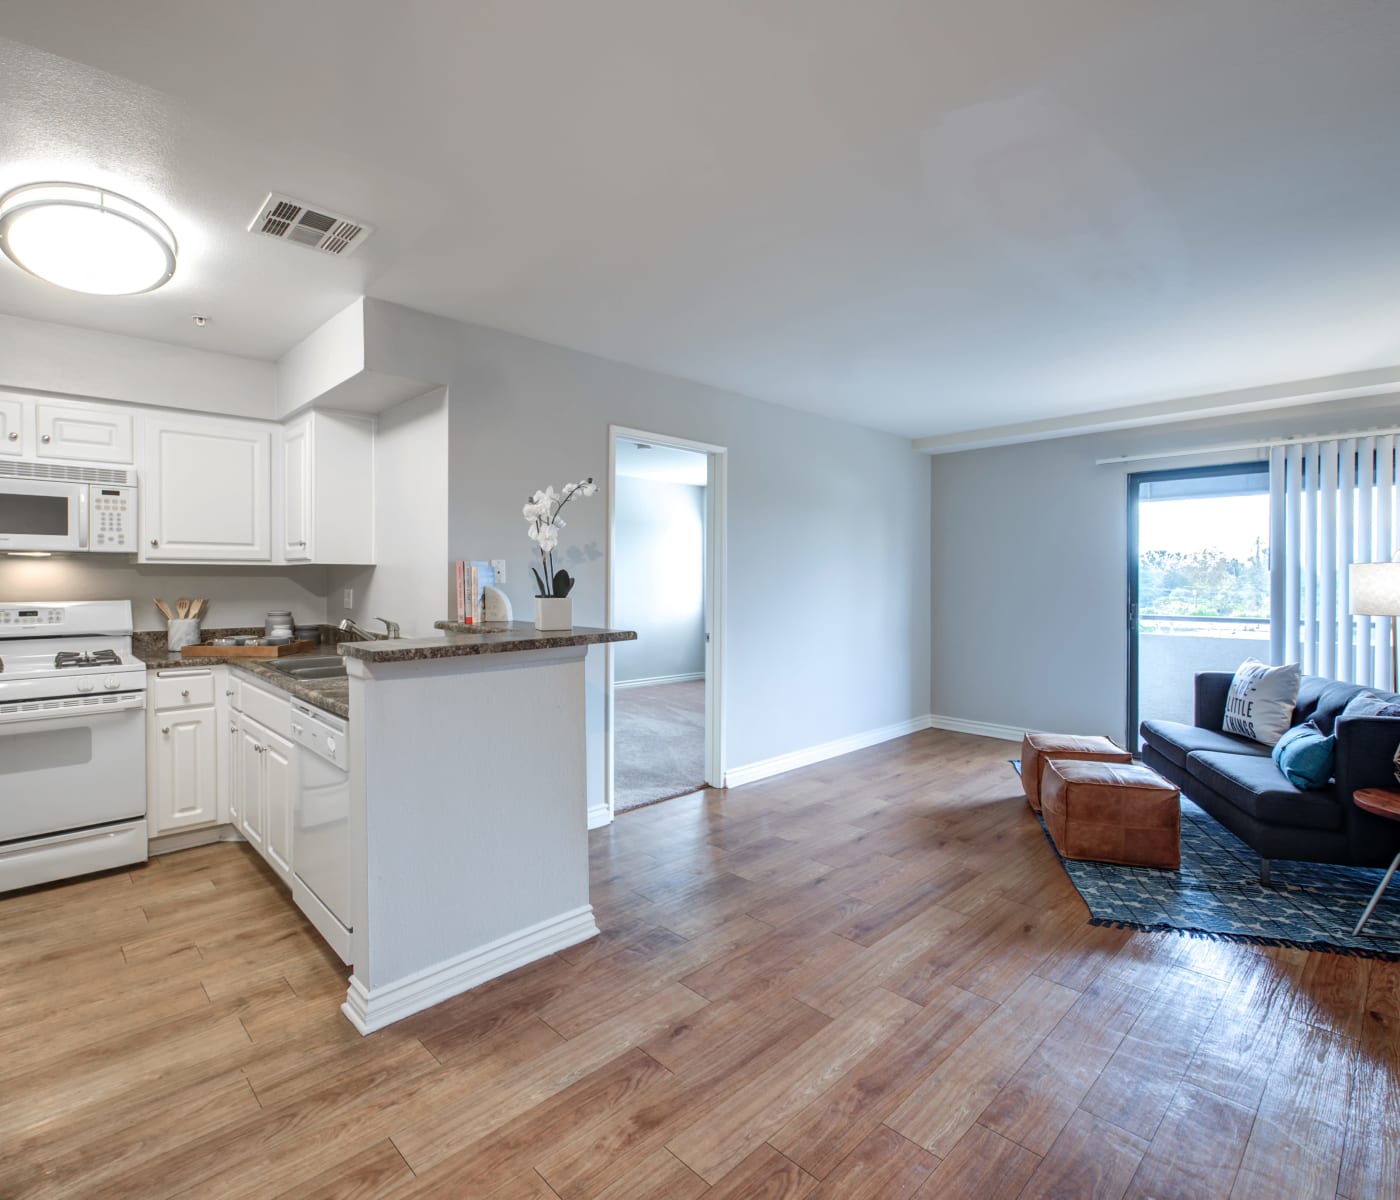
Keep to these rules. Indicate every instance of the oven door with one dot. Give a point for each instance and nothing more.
(38, 515)
(71, 768)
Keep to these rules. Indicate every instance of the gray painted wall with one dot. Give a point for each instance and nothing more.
(659, 578)
(1029, 564)
(828, 528)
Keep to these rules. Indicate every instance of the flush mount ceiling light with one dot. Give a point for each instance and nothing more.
(86, 238)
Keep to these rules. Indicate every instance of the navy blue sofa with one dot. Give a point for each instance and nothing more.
(1237, 782)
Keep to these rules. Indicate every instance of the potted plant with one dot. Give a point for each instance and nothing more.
(554, 607)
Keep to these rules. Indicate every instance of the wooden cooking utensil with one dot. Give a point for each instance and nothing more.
(182, 608)
(164, 610)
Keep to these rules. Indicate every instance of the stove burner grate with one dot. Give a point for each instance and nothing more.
(86, 658)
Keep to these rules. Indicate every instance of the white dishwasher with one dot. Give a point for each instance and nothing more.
(321, 825)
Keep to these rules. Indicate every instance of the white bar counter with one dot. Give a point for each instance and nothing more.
(468, 810)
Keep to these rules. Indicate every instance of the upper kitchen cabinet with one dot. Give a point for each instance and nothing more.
(206, 494)
(327, 490)
(87, 433)
(11, 426)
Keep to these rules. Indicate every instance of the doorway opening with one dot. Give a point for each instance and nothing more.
(1198, 583)
(665, 580)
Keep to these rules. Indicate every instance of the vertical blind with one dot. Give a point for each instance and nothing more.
(1331, 504)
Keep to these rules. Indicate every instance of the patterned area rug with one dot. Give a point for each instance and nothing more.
(1217, 894)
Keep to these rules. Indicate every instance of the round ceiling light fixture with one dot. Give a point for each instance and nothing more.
(86, 238)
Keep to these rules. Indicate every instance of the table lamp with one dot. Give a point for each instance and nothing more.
(1375, 592)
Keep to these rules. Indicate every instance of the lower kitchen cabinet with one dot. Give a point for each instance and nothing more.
(262, 789)
(182, 768)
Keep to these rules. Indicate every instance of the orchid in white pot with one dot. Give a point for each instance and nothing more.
(541, 512)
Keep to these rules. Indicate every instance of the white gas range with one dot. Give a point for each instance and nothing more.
(72, 741)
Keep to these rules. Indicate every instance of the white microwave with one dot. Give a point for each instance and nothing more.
(63, 510)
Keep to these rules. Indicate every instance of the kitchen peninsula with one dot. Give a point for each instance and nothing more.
(468, 828)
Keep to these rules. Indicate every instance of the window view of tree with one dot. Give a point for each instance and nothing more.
(1204, 583)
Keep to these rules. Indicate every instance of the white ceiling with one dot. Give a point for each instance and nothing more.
(922, 217)
(667, 464)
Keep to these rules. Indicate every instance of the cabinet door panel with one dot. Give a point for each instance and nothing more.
(297, 493)
(11, 427)
(279, 769)
(248, 751)
(206, 491)
(186, 781)
(85, 434)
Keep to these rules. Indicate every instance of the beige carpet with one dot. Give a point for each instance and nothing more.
(658, 742)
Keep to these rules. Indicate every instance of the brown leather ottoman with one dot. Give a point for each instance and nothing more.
(1037, 747)
(1112, 812)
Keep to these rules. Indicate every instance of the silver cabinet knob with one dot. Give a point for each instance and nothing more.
(46, 438)
(165, 729)
(228, 691)
(154, 542)
(14, 437)
(186, 693)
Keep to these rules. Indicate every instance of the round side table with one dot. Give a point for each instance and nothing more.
(1386, 804)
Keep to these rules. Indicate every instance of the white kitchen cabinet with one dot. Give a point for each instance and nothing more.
(327, 492)
(247, 781)
(206, 490)
(182, 760)
(11, 426)
(85, 432)
(279, 780)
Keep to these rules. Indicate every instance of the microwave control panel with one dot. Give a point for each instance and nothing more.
(112, 519)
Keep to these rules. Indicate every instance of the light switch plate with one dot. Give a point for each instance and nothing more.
(499, 564)
(348, 599)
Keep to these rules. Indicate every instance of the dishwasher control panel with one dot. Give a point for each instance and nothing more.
(322, 733)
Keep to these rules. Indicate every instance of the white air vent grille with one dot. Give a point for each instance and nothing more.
(33, 470)
(307, 225)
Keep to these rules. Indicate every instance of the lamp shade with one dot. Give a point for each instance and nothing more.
(1375, 589)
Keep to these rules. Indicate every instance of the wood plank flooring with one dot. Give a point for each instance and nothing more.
(869, 978)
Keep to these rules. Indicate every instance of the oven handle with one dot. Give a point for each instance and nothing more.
(127, 702)
(84, 500)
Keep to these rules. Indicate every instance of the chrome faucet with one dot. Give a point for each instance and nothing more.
(391, 630)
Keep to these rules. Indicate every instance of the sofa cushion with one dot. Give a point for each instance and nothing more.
(1336, 698)
(1174, 741)
(1306, 755)
(1255, 785)
(1261, 700)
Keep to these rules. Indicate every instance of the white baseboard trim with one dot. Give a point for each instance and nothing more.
(368, 1010)
(1007, 733)
(619, 684)
(753, 772)
(598, 816)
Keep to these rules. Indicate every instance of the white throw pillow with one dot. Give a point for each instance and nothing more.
(1261, 699)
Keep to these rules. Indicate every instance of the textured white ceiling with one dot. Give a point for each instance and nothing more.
(923, 217)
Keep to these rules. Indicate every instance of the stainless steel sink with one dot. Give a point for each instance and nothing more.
(319, 666)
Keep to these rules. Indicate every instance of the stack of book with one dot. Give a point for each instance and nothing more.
(471, 578)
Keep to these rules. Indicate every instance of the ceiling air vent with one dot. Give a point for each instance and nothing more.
(290, 220)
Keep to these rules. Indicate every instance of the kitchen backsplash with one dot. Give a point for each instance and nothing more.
(151, 643)
(237, 596)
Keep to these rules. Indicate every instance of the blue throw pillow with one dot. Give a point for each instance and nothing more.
(1305, 754)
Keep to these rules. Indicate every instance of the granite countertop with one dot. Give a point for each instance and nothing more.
(494, 638)
(333, 695)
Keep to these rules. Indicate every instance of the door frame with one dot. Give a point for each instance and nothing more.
(1134, 482)
(716, 515)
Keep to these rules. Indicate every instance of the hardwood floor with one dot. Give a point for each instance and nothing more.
(869, 978)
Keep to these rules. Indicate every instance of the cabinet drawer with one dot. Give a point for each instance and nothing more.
(272, 709)
(182, 689)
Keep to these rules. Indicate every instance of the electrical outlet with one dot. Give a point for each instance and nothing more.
(500, 566)
(348, 599)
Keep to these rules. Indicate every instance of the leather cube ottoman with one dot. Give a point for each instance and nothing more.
(1036, 748)
(1112, 812)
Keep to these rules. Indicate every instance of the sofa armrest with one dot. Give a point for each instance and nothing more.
(1212, 690)
(1365, 754)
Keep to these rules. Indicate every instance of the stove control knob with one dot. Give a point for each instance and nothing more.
(86, 685)
(111, 683)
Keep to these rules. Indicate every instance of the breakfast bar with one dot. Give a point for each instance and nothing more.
(468, 824)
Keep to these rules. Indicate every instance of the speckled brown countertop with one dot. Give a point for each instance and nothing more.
(497, 638)
(333, 695)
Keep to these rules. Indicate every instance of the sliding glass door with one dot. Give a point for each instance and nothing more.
(1198, 582)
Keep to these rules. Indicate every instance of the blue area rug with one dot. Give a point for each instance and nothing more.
(1217, 893)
